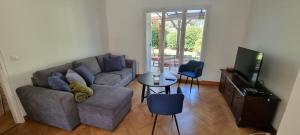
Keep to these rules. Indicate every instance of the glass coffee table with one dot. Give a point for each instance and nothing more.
(151, 79)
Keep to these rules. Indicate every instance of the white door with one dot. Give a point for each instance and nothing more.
(175, 38)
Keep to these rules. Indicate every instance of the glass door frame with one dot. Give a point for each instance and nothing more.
(182, 36)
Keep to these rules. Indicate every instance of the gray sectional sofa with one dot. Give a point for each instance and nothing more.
(105, 109)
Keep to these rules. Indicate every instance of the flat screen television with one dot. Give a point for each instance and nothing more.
(248, 64)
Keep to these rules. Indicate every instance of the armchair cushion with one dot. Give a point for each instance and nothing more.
(191, 69)
(188, 74)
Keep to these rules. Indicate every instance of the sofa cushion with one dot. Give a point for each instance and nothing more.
(86, 73)
(72, 76)
(40, 78)
(106, 108)
(112, 64)
(123, 60)
(90, 62)
(100, 59)
(123, 73)
(107, 79)
(56, 83)
(60, 75)
(107, 99)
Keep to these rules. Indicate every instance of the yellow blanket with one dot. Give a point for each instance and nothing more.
(80, 91)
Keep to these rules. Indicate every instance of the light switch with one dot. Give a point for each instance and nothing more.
(14, 57)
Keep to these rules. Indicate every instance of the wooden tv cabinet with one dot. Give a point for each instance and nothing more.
(249, 109)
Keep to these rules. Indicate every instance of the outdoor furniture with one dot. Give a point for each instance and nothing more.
(192, 69)
(147, 80)
(155, 60)
(163, 104)
(171, 60)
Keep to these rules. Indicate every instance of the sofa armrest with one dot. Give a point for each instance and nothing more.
(56, 108)
(131, 64)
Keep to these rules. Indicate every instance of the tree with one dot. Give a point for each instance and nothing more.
(193, 39)
(193, 33)
(154, 30)
(172, 40)
(198, 45)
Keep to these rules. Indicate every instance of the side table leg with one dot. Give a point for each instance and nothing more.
(143, 93)
(167, 88)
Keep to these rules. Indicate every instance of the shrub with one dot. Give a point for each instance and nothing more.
(193, 38)
(172, 40)
(154, 30)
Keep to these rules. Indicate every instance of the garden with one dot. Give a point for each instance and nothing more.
(193, 39)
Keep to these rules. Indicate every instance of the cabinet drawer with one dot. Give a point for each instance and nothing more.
(228, 92)
(222, 83)
(237, 106)
(1, 106)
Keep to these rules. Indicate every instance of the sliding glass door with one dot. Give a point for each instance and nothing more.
(176, 37)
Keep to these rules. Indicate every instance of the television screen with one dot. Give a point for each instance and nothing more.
(248, 63)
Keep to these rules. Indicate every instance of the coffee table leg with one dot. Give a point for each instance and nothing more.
(168, 89)
(148, 91)
(143, 93)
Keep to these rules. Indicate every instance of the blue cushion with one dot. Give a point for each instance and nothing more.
(60, 75)
(112, 63)
(188, 73)
(123, 61)
(55, 82)
(86, 73)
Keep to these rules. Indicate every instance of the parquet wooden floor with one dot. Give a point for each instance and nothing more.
(205, 113)
(6, 122)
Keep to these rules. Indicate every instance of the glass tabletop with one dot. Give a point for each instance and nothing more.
(157, 79)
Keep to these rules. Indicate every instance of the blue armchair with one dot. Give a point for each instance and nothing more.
(166, 104)
(192, 69)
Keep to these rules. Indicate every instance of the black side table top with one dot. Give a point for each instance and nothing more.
(165, 79)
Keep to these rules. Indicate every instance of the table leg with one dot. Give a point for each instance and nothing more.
(167, 88)
(143, 93)
(179, 80)
(148, 91)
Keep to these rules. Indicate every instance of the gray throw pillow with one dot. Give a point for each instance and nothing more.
(56, 83)
(123, 62)
(86, 73)
(100, 60)
(112, 63)
(73, 76)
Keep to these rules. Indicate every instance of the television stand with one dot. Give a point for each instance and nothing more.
(254, 107)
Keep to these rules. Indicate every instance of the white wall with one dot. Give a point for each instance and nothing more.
(291, 121)
(45, 33)
(227, 20)
(275, 30)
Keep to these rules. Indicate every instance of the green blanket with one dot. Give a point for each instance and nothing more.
(80, 97)
(80, 91)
